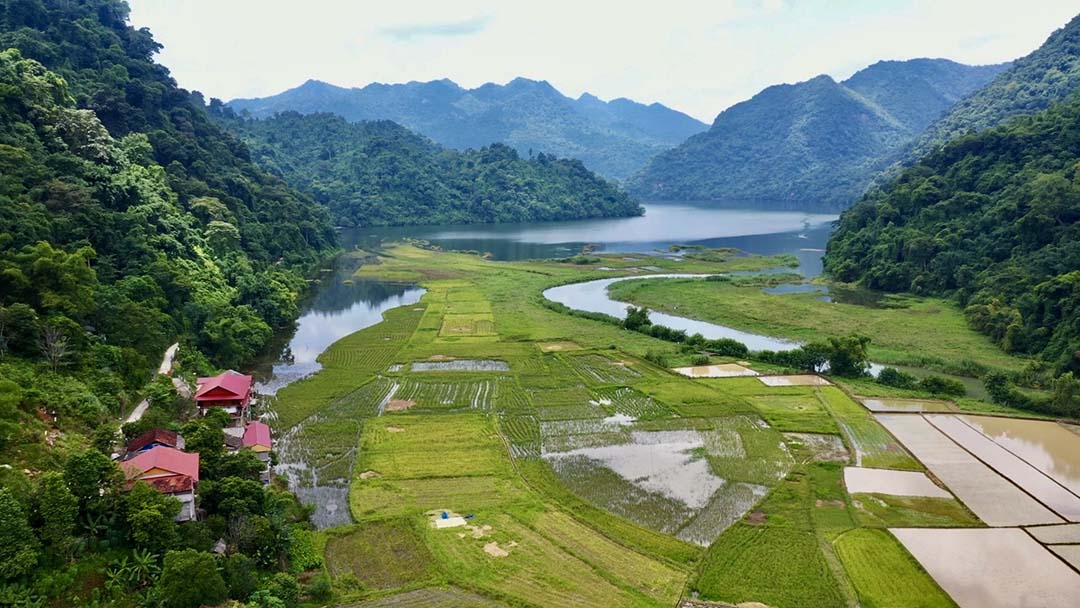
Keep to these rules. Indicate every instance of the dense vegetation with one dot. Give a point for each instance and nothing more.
(128, 221)
(1032, 83)
(614, 138)
(990, 219)
(379, 173)
(816, 143)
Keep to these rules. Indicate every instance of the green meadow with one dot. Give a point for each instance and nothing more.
(529, 451)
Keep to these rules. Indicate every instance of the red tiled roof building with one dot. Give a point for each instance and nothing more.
(230, 391)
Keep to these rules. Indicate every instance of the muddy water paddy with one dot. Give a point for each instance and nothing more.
(667, 475)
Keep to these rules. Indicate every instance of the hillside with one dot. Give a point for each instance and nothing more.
(613, 138)
(992, 219)
(816, 143)
(129, 222)
(1048, 75)
(379, 173)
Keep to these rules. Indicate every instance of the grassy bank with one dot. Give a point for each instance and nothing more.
(906, 330)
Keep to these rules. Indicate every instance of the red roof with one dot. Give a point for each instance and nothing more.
(162, 436)
(229, 386)
(169, 484)
(257, 433)
(165, 458)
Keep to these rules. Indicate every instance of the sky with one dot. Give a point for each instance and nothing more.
(695, 56)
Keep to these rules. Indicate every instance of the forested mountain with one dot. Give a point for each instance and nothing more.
(169, 222)
(128, 221)
(816, 143)
(380, 173)
(613, 138)
(1048, 75)
(992, 218)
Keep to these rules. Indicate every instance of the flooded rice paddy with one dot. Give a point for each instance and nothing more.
(1067, 534)
(1069, 553)
(724, 370)
(994, 499)
(992, 568)
(461, 365)
(667, 480)
(1048, 446)
(888, 481)
(797, 380)
(1031, 480)
(882, 405)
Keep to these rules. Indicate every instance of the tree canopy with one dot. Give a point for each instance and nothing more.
(379, 173)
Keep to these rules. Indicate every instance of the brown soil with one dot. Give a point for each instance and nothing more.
(369, 475)
(399, 405)
(494, 550)
(440, 358)
(755, 518)
(395, 429)
(828, 503)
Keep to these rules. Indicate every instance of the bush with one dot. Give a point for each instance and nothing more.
(890, 376)
(656, 358)
(699, 360)
(320, 588)
(190, 579)
(727, 347)
(943, 386)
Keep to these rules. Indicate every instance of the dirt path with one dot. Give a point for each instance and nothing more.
(164, 368)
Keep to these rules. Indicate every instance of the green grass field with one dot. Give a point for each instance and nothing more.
(575, 533)
(885, 575)
(773, 556)
(943, 336)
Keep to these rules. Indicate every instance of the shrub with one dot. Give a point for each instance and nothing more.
(699, 360)
(890, 376)
(943, 386)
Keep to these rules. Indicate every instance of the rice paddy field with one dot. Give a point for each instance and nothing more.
(487, 450)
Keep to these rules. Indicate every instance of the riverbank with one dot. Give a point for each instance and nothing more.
(906, 330)
(559, 443)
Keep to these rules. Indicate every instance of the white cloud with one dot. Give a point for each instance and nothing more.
(696, 56)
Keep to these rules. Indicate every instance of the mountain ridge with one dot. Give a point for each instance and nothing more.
(818, 142)
(614, 138)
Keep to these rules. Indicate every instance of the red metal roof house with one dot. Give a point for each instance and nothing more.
(153, 438)
(170, 472)
(257, 437)
(230, 391)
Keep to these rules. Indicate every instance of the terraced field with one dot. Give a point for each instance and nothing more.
(587, 476)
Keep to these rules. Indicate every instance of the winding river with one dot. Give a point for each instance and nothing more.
(340, 305)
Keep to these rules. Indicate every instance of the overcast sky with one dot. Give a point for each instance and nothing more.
(695, 56)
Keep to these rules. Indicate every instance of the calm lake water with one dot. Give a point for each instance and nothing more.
(339, 308)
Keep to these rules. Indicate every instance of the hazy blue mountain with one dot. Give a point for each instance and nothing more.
(614, 138)
(815, 143)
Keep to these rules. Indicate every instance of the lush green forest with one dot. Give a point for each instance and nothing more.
(614, 138)
(1032, 83)
(379, 173)
(128, 221)
(813, 144)
(991, 219)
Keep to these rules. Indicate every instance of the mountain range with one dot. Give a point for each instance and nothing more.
(815, 143)
(614, 138)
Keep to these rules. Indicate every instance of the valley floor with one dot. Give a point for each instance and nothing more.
(497, 452)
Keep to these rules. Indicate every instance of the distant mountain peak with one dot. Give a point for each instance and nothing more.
(816, 142)
(613, 138)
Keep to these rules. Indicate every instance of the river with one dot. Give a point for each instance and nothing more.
(341, 305)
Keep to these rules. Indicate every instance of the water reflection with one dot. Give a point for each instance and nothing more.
(339, 308)
(664, 224)
(593, 296)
